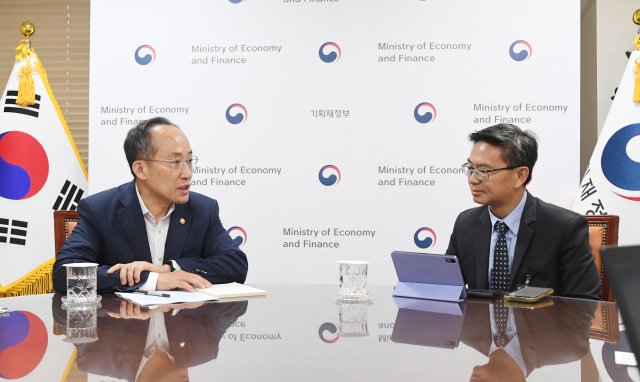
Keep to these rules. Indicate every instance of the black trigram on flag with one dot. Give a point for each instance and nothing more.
(11, 107)
(69, 197)
(14, 233)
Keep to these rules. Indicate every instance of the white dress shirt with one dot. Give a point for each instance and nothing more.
(156, 335)
(513, 347)
(157, 236)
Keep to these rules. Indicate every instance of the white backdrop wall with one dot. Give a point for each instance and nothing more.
(147, 60)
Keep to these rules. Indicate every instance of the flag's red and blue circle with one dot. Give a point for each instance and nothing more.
(23, 342)
(620, 169)
(24, 166)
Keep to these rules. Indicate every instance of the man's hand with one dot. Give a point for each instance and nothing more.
(181, 279)
(130, 273)
(130, 310)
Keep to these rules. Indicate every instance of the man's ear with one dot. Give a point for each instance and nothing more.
(522, 173)
(140, 169)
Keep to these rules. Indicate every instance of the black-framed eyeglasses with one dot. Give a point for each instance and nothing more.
(178, 162)
(482, 173)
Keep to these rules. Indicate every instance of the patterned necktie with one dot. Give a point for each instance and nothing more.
(500, 316)
(500, 271)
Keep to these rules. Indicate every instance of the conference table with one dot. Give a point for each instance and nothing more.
(302, 332)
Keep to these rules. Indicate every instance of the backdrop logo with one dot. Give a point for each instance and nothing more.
(331, 328)
(23, 342)
(524, 50)
(428, 112)
(238, 117)
(241, 238)
(334, 175)
(24, 166)
(333, 52)
(619, 169)
(429, 238)
(145, 55)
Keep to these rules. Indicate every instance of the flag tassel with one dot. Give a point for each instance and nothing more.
(26, 87)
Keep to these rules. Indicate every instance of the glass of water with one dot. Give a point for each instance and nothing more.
(82, 282)
(353, 280)
(353, 318)
(82, 323)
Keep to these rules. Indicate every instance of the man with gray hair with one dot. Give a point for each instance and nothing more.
(515, 238)
(153, 233)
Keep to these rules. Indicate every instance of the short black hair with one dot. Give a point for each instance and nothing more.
(519, 148)
(138, 145)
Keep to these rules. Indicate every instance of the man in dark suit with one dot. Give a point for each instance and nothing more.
(554, 334)
(515, 238)
(189, 336)
(153, 233)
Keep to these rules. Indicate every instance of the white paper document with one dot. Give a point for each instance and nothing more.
(175, 297)
(216, 292)
(231, 290)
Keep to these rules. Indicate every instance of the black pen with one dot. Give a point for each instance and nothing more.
(151, 293)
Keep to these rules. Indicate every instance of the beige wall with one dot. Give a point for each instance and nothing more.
(615, 32)
(588, 84)
(607, 33)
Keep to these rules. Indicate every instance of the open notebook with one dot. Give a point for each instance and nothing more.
(216, 292)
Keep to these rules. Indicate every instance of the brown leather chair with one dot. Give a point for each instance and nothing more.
(63, 224)
(603, 230)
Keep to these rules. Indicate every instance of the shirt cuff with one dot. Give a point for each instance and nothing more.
(152, 282)
(175, 265)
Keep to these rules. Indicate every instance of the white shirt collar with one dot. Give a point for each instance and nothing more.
(145, 210)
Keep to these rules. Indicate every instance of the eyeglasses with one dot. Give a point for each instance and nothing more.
(178, 162)
(482, 173)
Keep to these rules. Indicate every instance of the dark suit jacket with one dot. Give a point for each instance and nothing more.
(552, 246)
(550, 335)
(111, 230)
(194, 336)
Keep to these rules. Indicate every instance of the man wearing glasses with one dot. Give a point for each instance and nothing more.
(153, 233)
(515, 238)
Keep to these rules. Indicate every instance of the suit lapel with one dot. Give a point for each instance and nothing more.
(181, 219)
(525, 233)
(482, 243)
(132, 221)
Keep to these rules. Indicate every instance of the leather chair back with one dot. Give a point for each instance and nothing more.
(63, 224)
(603, 230)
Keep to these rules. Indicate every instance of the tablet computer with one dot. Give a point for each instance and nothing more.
(428, 322)
(428, 276)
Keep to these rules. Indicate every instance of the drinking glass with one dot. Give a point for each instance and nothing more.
(353, 280)
(82, 282)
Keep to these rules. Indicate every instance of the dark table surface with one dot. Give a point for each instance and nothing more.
(301, 333)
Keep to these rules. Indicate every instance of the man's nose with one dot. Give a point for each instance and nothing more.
(186, 171)
(473, 179)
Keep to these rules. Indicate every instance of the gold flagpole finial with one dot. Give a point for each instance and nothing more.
(636, 20)
(26, 87)
(27, 29)
(636, 17)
